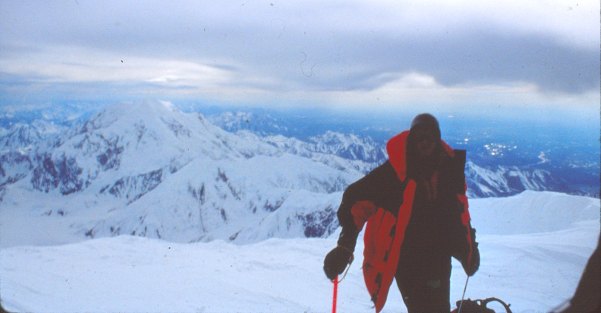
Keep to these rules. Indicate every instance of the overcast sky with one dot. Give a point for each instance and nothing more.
(379, 54)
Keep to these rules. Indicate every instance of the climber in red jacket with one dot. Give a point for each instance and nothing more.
(417, 218)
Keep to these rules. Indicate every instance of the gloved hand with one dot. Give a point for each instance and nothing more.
(336, 261)
(471, 269)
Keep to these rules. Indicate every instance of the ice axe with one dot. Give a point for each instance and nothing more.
(335, 281)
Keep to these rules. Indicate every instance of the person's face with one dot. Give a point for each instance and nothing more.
(425, 142)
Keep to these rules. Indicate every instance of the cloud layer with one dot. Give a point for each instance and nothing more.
(300, 50)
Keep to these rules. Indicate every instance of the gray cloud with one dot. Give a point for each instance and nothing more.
(273, 45)
(487, 57)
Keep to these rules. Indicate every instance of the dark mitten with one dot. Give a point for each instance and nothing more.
(336, 261)
(472, 268)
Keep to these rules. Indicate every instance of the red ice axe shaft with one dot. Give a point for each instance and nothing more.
(335, 281)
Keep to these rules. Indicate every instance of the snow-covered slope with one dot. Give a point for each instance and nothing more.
(24, 137)
(533, 272)
(532, 212)
(18, 146)
(261, 124)
(234, 200)
(506, 180)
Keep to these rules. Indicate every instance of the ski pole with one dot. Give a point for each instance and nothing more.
(335, 281)
(463, 296)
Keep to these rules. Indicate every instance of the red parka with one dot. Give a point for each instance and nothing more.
(384, 199)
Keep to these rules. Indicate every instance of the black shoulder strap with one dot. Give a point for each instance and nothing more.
(457, 171)
(460, 157)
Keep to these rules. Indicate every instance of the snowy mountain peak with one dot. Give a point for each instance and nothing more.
(151, 170)
(151, 114)
(130, 140)
(20, 136)
(350, 146)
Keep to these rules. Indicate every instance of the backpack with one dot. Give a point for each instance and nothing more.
(479, 306)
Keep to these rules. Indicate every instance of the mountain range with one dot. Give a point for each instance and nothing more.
(149, 169)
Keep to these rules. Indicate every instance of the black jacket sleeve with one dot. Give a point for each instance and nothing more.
(380, 188)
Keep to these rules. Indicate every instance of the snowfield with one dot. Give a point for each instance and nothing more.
(534, 247)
